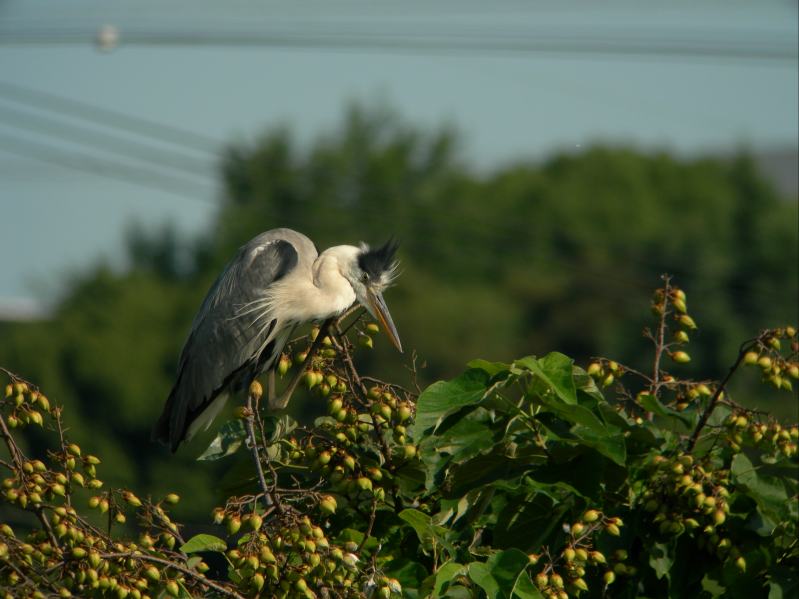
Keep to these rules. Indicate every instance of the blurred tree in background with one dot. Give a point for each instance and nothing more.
(529, 258)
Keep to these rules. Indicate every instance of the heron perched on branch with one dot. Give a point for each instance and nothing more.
(276, 281)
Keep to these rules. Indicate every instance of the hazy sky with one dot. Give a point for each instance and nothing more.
(518, 79)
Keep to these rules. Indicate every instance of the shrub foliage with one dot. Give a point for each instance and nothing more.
(535, 478)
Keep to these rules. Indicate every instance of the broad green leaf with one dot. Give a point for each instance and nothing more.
(506, 567)
(576, 414)
(466, 438)
(609, 444)
(498, 575)
(350, 534)
(410, 478)
(459, 592)
(659, 560)
(652, 404)
(427, 532)
(586, 383)
(227, 441)
(445, 575)
(408, 572)
(483, 470)
(492, 369)
(444, 398)
(525, 589)
(783, 583)
(768, 492)
(528, 522)
(712, 587)
(556, 371)
(421, 523)
(609, 441)
(203, 542)
(580, 468)
(480, 573)
(277, 427)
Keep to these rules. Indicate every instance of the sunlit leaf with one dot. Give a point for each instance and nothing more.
(443, 398)
(203, 542)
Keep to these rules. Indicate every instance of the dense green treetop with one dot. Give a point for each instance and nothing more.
(528, 258)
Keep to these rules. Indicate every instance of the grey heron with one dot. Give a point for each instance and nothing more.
(275, 282)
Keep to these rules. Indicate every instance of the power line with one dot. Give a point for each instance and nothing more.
(142, 127)
(107, 142)
(582, 43)
(104, 168)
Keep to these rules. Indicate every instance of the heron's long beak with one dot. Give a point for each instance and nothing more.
(377, 306)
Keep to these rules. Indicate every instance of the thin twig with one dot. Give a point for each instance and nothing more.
(711, 405)
(46, 524)
(60, 428)
(16, 454)
(371, 525)
(183, 570)
(250, 424)
(352, 372)
(654, 387)
(377, 381)
(355, 379)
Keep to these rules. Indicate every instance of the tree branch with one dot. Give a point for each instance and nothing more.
(175, 566)
(279, 403)
(250, 424)
(745, 347)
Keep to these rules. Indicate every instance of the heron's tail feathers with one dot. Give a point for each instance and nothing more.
(162, 431)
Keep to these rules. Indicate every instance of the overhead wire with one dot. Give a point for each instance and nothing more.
(550, 41)
(100, 115)
(126, 147)
(106, 168)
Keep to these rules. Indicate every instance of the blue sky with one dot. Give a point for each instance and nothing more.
(189, 65)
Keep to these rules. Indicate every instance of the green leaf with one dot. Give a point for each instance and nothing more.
(492, 369)
(607, 440)
(609, 444)
(203, 542)
(466, 438)
(768, 492)
(445, 575)
(652, 404)
(427, 532)
(278, 427)
(712, 587)
(498, 575)
(227, 441)
(350, 535)
(408, 572)
(659, 560)
(525, 589)
(783, 583)
(556, 370)
(480, 573)
(529, 522)
(459, 592)
(484, 470)
(444, 398)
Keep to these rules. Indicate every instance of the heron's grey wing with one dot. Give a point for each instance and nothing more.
(228, 334)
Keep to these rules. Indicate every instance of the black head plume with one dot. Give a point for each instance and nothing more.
(379, 262)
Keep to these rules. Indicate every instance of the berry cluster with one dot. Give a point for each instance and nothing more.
(683, 496)
(562, 576)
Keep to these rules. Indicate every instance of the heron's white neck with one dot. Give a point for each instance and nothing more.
(328, 293)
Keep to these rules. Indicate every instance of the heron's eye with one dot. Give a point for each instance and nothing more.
(365, 278)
